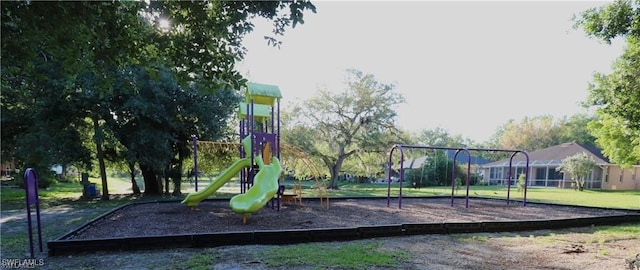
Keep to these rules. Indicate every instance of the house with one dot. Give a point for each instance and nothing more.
(543, 164)
(7, 168)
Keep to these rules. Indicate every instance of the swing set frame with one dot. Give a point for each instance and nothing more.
(402, 147)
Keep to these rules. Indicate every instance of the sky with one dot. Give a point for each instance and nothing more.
(466, 67)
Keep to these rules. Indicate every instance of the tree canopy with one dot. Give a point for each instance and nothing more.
(616, 96)
(533, 133)
(141, 76)
(336, 126)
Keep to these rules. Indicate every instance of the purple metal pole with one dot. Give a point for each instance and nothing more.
(453, 180)
(243, 172)
(401, 179)
(453, 175)
(526, 179)
(273, 119)
(278, 134)
(389, 175)
(468, 174)
(509, 178)
(29, 222)
(253, 143)
(194, 139)
(31, 188)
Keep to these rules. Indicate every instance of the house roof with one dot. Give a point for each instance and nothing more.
(553, 156)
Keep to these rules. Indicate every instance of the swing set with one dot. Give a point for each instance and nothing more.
(402, 147)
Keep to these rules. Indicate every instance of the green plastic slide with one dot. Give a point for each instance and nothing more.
(194, 199)
(265, 186)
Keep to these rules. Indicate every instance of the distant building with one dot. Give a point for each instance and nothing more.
(543, 164)
(7, 168)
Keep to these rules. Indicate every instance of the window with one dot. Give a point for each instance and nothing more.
(554, 175)
(633, 174)
(494, 173)
(606, 174)
(621, 175)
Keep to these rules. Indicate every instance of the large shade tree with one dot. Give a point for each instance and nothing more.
(201, 44)
(616, 96)
(334, 126)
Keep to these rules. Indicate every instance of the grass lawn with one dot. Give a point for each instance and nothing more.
(629, 199)
(65, 193)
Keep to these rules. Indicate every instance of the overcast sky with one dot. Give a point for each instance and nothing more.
(467, 67)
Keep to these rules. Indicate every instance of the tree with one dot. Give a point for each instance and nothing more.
(618, 19)
(435, 171)
(98, 39)
(531, 133)
(578, 167)
(154, 120)
(574, 129)
(441, 137)
(620, 144)
(616, 96)
(335, 126)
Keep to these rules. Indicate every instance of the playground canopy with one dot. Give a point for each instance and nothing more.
(265, 94)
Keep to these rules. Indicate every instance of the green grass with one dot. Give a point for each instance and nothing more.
(475, 238)
(200, 261)
(65, 193)
(608, 233)
(355, 255)
(593, 235)
(627, 199)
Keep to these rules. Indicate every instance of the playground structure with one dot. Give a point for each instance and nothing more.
(259, 165)
(401, 148)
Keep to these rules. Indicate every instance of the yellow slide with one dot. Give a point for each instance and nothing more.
(193, 199)
(265, 187)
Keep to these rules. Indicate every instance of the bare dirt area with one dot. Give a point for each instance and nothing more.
(575, 248)
(167, 218)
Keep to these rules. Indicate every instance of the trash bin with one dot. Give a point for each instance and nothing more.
(92, 191)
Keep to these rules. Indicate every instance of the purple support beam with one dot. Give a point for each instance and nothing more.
(31, 188)
(453, 175)
(526, 177)
(194, 138)
(278, 131)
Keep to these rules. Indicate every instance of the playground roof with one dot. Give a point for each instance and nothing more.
(262, 93)
(259, 111)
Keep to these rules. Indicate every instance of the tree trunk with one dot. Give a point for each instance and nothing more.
(98, 136)
(151, 184)
(177, 174)
(334, 170)
(134, 184)
(167, 173)
(176, 177)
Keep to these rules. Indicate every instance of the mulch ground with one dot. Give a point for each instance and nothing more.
(173, 218)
